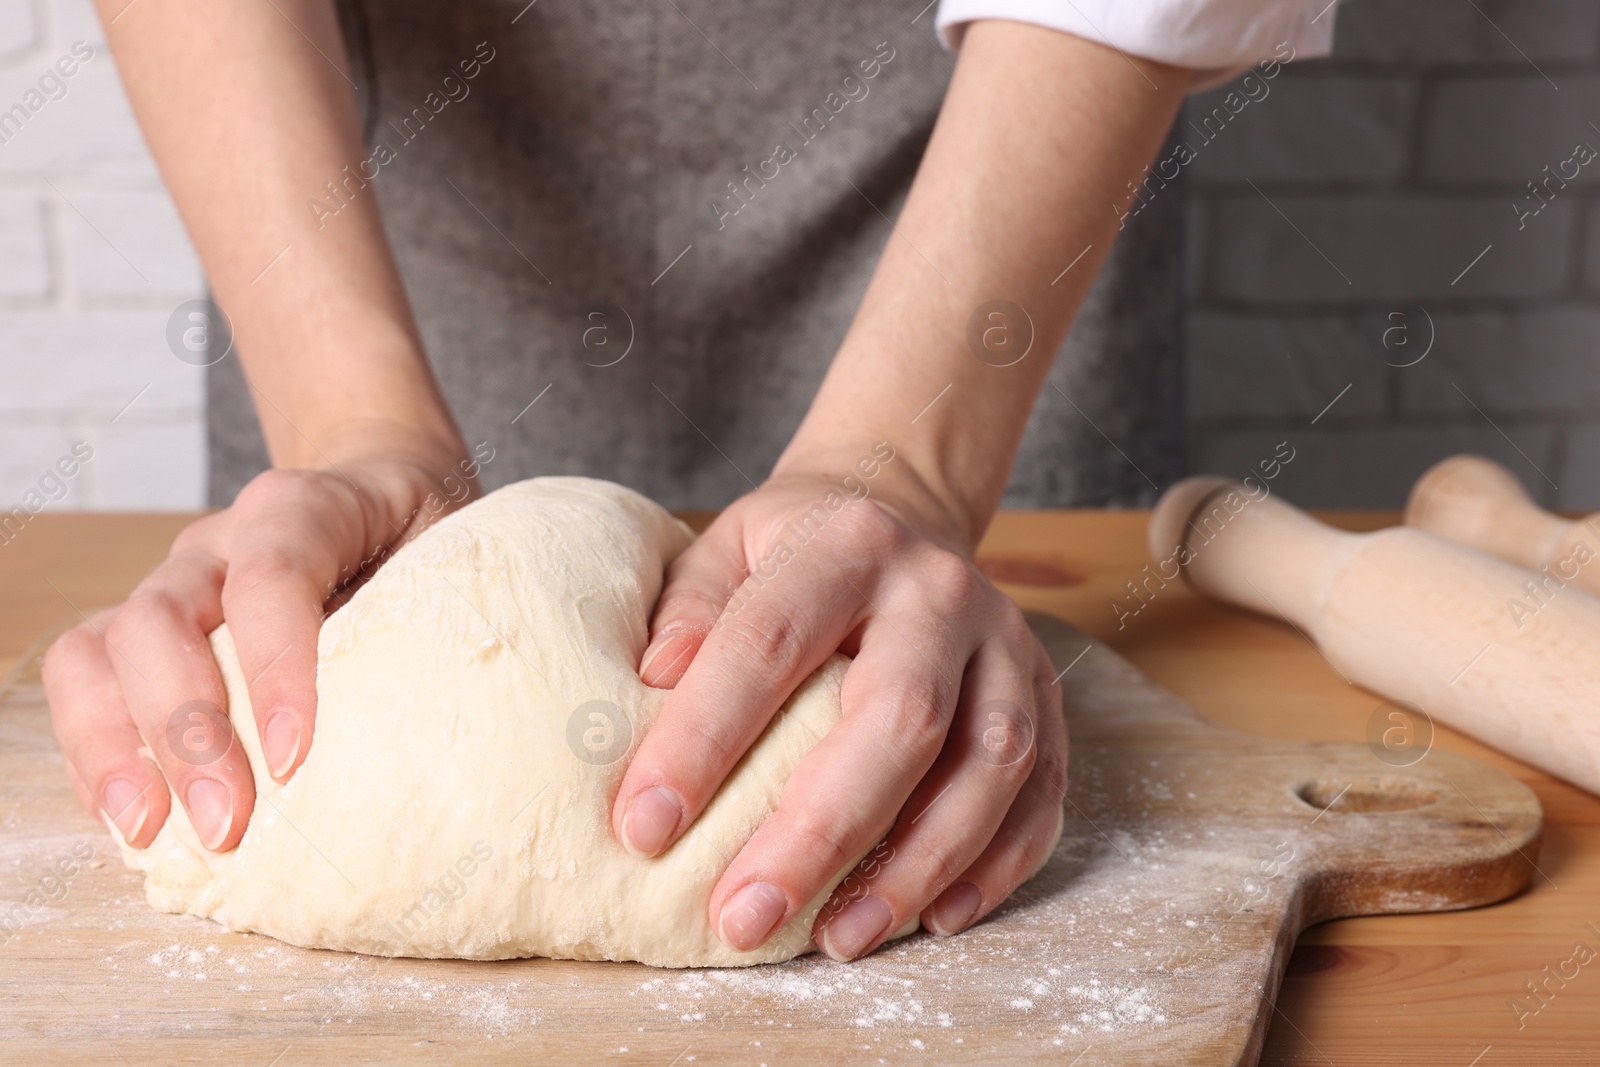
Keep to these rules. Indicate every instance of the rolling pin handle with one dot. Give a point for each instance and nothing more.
(1171, 521)
(1477, 502)
(1247, 548)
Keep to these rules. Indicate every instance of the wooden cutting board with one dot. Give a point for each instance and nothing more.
(1192, 858)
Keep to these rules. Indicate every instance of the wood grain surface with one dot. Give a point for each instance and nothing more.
(1440, 988)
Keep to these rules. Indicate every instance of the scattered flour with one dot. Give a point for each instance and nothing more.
(335, 988)
(1020, 973)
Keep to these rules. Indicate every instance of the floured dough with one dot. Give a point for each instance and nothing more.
(478, 702)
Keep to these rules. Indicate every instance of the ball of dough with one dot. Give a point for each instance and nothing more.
(478, 701)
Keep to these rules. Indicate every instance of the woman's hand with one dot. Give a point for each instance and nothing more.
(952, 743)
(366, 449)
(952, 740)
(135, 696)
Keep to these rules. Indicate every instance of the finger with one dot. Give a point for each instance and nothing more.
(98, 738)
(759, 651)
(898, 701)
(84, 794)
(53, 667)
(157, 644)
(272, 598)
(1027, 835)
(952, 814)
(698, 585)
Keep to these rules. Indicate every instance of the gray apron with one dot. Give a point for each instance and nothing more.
(618, 273)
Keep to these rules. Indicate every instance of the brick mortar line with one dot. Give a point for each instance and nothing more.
(78, 422)
(1391, 402)
(1296, 422)
(1458, 307)
(1559, 450)
(1464, 70)
(1578, 254)
(55, 254)
(20, 182)
(1394, 190)
(1456, 194)
(37, 50)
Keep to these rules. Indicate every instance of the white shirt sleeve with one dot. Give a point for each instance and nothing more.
(1216, 38)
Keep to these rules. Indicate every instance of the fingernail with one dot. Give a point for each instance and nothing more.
(655, 667)
(856, 928)
(281, 739)
(210, 811)
(750, 916)
(955, 908)
(126, 805)
(651, 818)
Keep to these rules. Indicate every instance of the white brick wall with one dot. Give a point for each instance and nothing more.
(92, 262)
(1398, 160)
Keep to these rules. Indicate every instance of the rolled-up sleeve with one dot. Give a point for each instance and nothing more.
(1215, 37)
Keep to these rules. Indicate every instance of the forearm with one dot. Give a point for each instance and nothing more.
(249, 112)
(1039, 135)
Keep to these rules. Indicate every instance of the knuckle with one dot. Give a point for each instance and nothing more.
(69, 651)
(276, 488)
(1013, 626)
(1026, 848)
(1051, 770)
(202, 536)
(766, 637)
(191, 538)
(1004, 733)
(127, 624)
(1046, 693)
(1006, 626)
(941, 865)
(148, 607)
(1014, 856)
(951, 580)
(1020, 770)
(713, 745)
(1040, 842)
(820, 849)
(917, 716)
(260, 569)
(875, 529)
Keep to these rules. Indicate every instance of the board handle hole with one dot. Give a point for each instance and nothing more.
(1366, 795)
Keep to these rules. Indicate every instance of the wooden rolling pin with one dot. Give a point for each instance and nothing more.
(1479, 503)
(1414, 617)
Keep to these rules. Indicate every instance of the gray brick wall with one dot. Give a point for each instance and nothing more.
(1332, 220)
(93, 260)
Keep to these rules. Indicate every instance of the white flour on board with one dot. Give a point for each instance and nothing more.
(1122, 906)
(332, 988)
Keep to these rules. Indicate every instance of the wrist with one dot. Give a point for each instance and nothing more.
(424, 445)
(362, 392)
(953, 420)
(891, 472)
(412, 475)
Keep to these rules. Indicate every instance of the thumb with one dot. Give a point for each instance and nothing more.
(698, 586)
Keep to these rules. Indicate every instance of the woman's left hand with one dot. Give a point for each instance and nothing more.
(952, 751)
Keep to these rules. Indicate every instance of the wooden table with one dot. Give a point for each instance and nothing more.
(1397, 989)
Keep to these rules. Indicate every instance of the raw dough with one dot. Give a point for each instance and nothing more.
(456, 799)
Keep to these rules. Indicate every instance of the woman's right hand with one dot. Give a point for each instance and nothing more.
(351, 414)
(135, 696)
